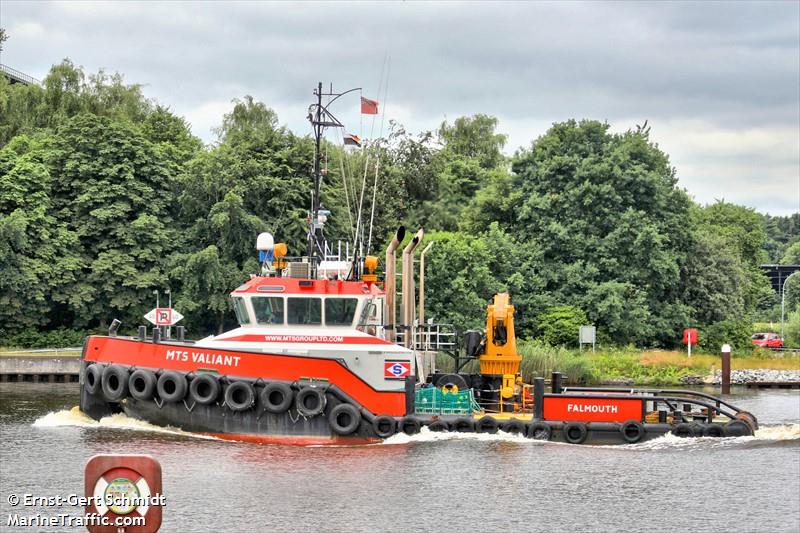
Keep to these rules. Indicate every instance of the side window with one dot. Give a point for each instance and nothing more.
(268, 309)
(240, 309)
(340, 311)
(305, 311)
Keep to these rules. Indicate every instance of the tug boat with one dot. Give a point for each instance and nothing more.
(321, 357)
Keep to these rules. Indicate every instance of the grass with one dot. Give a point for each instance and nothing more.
(14, 352)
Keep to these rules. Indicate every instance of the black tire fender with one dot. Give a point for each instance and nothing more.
(487, 424)
(92, 379)
(240, 396)
(171, 386)
(310, 401)
(683, 430)
(575, 432)
(439, 425)
(714, 430)
(344, 419)
(539, 431)
(632, 431)
(450, 380)
(115, 383)
(277, 397)
(384, 426)
(204, 389)
(142, 384)
(464, 425)
(410, 425)
(738, 428)
(513, 426)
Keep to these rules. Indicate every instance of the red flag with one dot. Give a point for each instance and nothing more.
(369, 107)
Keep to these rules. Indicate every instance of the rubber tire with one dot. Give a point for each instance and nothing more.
(464, 425)
(148, 381)
(283, 391)
(513, 426)
(204, 381)
(92, 379)
(539, 431)
(438, 426)
(575, 432)
(714, 430)
(242, 403)
(632, 431)
(384, 426)
(738, 428)
(749, 419)
(179, 386)
(683, 430)
(410, 425)
(487, 424)
(115, 375)
(352, 417)
(317, 400)
(452, 379)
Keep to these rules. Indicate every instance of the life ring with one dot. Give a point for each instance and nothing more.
(575, 432)
(142, 384)
(344, 418)
(684, 430)
(487, 424)
(464, 425)
(115, 383)
(384, 426)
(513, 426)
(310, 401)
(738, 428)
(126, 490)
(439, 425)
(92, 379)
(171, 386)
(632, 431)
(714, 430)
(204, 389)
(240, 396)
(539, 431)
(410, 425)
(277, 397)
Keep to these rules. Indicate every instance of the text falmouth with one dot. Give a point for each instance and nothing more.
(203, 358)
(573, 408)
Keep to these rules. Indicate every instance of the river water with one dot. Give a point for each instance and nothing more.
(427, 482)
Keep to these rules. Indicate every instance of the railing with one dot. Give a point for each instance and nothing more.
(431, 338)
(16, 75)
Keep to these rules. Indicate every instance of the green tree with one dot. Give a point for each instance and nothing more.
(559, 325)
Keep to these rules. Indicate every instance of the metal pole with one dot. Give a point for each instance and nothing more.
(726, 369)
(169, 327)
(783, 298)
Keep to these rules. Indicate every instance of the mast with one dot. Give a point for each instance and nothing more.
(320, 118)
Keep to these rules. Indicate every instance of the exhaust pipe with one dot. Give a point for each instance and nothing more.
(390, 283)
(408, 287)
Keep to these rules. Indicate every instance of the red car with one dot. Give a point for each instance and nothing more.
(767, 340)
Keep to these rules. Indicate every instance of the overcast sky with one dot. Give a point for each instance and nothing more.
(718, 82)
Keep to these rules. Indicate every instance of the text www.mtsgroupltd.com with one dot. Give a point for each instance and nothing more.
(24, 502)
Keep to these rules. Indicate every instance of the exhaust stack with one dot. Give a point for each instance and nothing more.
(408, 288)
(390, 283)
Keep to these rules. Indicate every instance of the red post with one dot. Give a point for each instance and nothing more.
(726, 369)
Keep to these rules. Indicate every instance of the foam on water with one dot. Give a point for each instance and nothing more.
(426, 435)
(76, 418)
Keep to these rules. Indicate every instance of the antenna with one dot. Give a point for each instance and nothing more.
(320, 118)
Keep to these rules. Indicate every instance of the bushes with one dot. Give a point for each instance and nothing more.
(734, 332)
(792, 329)
(541, 360)
(57, 338)
(558, 326)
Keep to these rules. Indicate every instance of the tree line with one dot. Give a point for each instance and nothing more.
(106, 195)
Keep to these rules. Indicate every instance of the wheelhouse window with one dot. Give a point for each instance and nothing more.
(268, 309)
(340, 311)
(240, 309)
(304, 311)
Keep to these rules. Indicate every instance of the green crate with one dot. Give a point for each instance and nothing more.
(431, 400)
